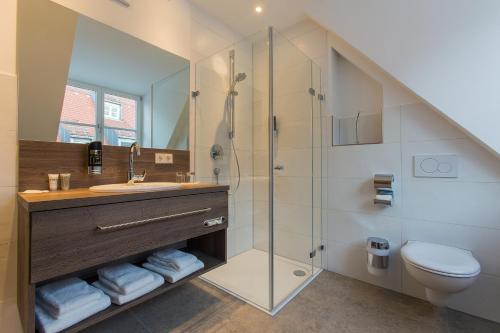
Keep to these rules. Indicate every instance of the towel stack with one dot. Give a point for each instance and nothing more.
(126, 282)
(173, 264)
(62, 304)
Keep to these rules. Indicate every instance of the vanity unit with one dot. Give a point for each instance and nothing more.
(73, 233)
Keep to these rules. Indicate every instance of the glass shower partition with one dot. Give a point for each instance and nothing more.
(256, 130)
(295, 161)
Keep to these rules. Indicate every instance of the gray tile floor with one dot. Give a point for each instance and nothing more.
(331, 303)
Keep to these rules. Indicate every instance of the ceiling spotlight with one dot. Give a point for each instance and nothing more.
(258, 9)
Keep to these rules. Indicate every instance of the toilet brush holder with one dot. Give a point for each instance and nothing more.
(377, 255)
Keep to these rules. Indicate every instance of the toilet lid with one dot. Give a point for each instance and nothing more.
(440, 258)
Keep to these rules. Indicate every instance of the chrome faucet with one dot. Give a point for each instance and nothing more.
(132, 177)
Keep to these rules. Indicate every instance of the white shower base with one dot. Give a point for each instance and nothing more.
(247, 277)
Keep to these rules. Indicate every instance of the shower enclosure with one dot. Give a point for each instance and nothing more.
(258, 111)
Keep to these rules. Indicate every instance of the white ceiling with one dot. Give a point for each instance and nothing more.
(240, 15)
(113, 59)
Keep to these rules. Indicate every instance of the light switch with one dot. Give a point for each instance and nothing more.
(161, 158)
(436, 166)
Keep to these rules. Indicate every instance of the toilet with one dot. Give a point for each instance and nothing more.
(442, 270)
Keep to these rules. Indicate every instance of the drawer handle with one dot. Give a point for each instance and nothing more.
(151, 220)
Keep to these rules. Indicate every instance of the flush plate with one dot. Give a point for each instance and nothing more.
(436, 166)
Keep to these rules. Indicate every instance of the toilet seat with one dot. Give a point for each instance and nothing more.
(440, 259)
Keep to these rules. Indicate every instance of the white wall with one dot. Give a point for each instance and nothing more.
(445, 51)
(8, 168)
(458, 212)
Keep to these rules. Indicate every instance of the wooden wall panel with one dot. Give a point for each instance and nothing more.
(38, 158)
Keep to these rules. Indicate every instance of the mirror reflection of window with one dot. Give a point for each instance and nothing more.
(80, 121)
(121, 113)
(79, 114)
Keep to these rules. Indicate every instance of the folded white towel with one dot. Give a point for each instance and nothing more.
(383, 197)
(124, 278)
(120, 299)
(172, 258)
(171, 275)
(61, 297)
(46, 324)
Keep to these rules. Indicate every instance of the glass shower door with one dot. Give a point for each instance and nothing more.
(231, 147)
(293, 167)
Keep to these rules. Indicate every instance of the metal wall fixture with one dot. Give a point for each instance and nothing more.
(384, 187)
(217, 152)
(377, 255)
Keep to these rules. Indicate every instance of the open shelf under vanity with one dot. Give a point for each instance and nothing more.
(209, 262)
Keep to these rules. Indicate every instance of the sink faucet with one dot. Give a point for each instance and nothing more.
(132, 177)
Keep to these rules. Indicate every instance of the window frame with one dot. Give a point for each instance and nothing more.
(100, 92)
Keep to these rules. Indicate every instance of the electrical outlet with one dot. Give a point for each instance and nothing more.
(161, 158)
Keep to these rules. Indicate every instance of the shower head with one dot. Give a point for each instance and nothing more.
(239, 77)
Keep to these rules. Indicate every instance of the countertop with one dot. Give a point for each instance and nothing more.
(81, 197)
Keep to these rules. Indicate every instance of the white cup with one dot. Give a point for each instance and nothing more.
(53, 181)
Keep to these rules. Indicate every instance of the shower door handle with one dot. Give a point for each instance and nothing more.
(279, 167)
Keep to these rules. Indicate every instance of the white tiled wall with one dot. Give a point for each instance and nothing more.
(210, 76)
(8, 169)
(462, 212)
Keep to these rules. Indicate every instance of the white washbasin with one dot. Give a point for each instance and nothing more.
(136, 187)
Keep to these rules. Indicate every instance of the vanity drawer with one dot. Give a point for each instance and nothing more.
(68, 240)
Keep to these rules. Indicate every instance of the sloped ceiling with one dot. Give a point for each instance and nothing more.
(445, 51)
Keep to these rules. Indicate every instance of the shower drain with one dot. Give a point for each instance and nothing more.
(299, 272)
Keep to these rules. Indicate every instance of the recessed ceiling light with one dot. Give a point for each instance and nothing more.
(258, 9)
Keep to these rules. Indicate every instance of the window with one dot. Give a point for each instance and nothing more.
(112, 110)
(92, 113)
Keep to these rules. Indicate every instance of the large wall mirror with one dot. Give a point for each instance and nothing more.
(81, 81)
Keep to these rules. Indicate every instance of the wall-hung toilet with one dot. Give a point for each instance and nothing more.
(442, 270)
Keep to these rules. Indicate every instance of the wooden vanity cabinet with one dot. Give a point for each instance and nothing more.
(73, 233)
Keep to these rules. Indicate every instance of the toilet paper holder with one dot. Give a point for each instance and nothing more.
(384, 189)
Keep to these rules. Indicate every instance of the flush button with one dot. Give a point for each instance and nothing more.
(429, 165)
(444, 167)
(436, 166)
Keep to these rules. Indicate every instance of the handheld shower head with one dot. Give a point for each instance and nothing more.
(239, 77)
